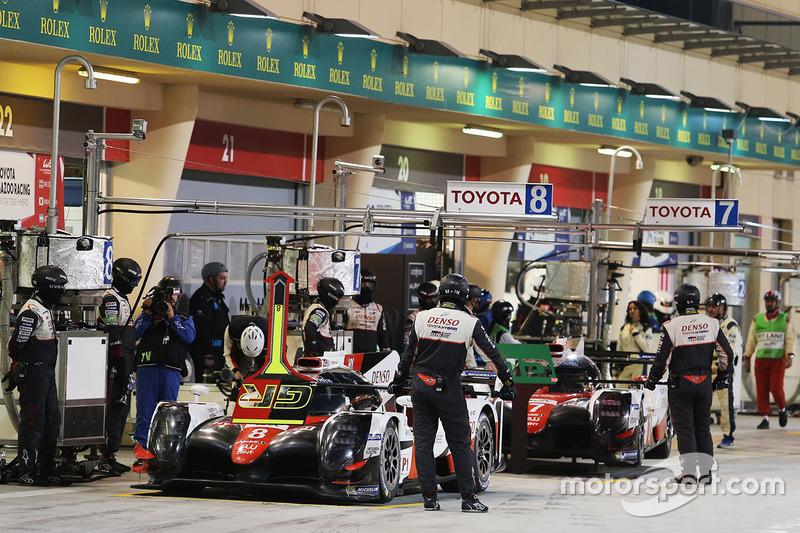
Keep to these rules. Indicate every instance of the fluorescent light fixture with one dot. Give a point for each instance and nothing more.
(512, 62)
(583, 77)
(429, 47)
(482, 131)
(650, 90)
(762, 113)
(340, 27)
(110, 74)
(609, 150)
(707, 102)
(240, 8)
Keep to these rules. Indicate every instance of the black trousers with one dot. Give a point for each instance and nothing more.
(39, 419)
(690, 403)
(450, 407)
(119, 370)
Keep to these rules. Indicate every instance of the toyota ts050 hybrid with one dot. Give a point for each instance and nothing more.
(322, 425)
(578, 415)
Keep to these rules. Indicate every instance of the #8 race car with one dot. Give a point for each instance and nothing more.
(319, 426)
(578, 417)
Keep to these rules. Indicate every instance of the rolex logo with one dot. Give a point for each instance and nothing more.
(684, 118)
(619, 105)
(466, 77)
(305, 46)
(55, 6)
(148, 12)
(435, 72)
(521, 83)
(762, 130)
(340, 52)
(373, 59)
(724, 122)
(269, 39)
(704, 121)
(494, 82)
(103, 9)
(189, 24)
(641, 109)
(744, 128)
(596, 100)
(547, 93)
(780, 134)
(663, 114)
(572, 96)
(231, 28)
(405, 66)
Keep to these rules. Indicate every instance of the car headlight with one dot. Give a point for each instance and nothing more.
(168, 434)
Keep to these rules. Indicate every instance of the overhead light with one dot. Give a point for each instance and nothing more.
(512, 62)
(428, 46)
(762, 113)
(482, 131)
(340, 27)
(707, 102)
(110, 74)
(240, 8)
(583, 77)
(650, 90)
(609, 150)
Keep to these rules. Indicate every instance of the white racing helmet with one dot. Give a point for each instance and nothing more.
(665, 303)
(252, 341)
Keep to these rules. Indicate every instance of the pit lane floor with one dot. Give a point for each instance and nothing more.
(540, 500)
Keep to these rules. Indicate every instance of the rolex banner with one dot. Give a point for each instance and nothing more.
(187, 35)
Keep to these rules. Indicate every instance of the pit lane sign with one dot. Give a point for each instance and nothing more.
(689, 212)
(500, 198)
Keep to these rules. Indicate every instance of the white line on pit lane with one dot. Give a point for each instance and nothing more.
(28, 493)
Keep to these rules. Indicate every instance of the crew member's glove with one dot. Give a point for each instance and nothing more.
(720, 383)
(508, 391)
(397, 385)
(650, 384)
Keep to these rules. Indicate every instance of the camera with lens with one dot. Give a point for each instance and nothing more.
(160, 300)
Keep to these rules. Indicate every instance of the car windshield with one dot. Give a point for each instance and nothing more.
(575, 373)
(329, 399)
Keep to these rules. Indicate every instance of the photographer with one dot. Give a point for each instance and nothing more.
(164, 337)
(115, 316)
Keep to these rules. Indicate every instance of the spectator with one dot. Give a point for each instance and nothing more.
(210, 314)
(635, 336)
(771, 338)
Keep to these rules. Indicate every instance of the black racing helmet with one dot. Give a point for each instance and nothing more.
(454, 288)
(125, 274)
(687, 296)
(427, 295)
(49, 283)
(474, 292)
(773, 295)
(330, 291)
(368, 282)
(170, 284)
(502, 311)
(717, 300)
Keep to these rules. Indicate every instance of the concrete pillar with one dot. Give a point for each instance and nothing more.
(629, 196)
(486, 262)
(366, 141)
(155, 173)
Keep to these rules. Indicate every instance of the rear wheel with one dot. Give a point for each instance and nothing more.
(389, 466)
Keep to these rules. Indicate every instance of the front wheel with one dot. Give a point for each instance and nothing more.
(389, 466)
(484, 448)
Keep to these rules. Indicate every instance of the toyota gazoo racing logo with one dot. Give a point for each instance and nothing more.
(440, 335)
